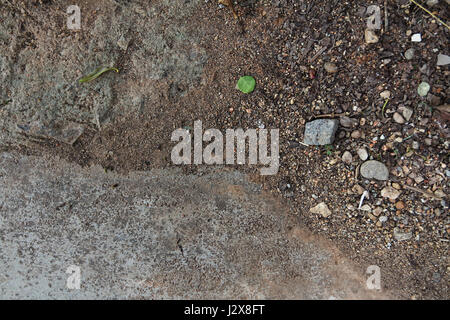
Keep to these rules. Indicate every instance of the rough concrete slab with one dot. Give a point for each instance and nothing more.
(157, 235)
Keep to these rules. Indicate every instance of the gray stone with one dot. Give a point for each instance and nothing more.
(398, 118)
(409, 54)
(406, 112)
(347, 157)
(321, 209)
(348, 122)
(423, 89)
(432, 3)
(373, 169)
(320, 132)
(362, 153)
(390, 192)
(443, 60)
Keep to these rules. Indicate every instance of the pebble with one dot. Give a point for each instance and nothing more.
(321, 209)
(348, 122)
(400, 205)
(122, 43)
(330, 67)
(415, 145)
(358, 189)
(356, 134)
(374, 169)
(370, 36)
(402, 236)
(377, 211)
(320, 132)
(362, 153)
(443, 59)
(409, 54)
(398, 118)
(423, 89)
(347, 157)
(383, 219)
(416, 37)
(386, 94)
(432, 3)
(391, 193)
(406, 112)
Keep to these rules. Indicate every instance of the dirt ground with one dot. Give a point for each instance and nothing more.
(284, 45)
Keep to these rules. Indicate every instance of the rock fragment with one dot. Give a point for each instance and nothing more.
(390, 193)
(320, 132)
(406, 112)
(373, 169)
(362, 153)
(347, 157)
(398, 118)
(423, 89)
(321, 209)
(443, 60)
(370, 36)
(348, 122)
(416, 37)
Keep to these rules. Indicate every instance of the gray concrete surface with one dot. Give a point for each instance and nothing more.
(157, 235)
(41, 62)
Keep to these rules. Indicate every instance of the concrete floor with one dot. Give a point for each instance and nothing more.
(157, 235)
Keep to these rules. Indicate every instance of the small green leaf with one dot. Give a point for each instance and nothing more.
(97, 73)
(246, 84)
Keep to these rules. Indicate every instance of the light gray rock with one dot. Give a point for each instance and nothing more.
(320, 132)
(398, 118)
(390, 192)
(406, 112)
(347, 157)
(409, 54)
(362, 153)
(321, 209)
(423, 89)
(432, 3)
(370, 36)
(443, 59)
(373, 169)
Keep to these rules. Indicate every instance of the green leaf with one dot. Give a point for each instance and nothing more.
(246, 84)
(97, 73)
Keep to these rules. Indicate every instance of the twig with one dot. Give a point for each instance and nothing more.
(426, 193)
(430, 13)
(331, 115)
(318, 54)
